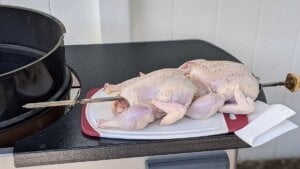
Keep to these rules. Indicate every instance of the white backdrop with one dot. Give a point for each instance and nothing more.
(264, 34)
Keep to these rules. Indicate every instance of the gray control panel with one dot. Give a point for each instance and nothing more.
(201, 160)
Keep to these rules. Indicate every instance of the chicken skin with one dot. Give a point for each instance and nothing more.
(224, 86)
(165, 93)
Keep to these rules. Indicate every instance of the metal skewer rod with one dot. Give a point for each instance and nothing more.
(292, 83)
(273, 84)
(70, 102)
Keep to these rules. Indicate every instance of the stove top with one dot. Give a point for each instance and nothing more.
(64, 142)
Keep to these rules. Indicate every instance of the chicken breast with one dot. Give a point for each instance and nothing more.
(224, 86)
(163, 93)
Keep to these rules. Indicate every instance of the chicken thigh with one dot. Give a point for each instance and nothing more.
(163, 93)
(224, 86)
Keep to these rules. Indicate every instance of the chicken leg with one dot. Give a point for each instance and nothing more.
(205, 106)
(175, 111)
(242, 105)
(135, 117)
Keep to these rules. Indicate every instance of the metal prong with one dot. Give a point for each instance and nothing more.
(70, 102)
(273, 84)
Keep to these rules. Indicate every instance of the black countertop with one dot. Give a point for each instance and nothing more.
(64, 142)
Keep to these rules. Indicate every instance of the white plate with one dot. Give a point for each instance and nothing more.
(184, 128)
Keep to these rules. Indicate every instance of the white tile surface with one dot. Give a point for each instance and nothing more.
(115, 20)
(42, 5)
(81, 19)
(151, 20)
(195, 19)
(237, 28)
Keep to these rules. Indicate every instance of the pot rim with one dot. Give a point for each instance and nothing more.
(59, 42)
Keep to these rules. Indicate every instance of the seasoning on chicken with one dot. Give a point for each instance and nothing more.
(163, 93)
(224, 86)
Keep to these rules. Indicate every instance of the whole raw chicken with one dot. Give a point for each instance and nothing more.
(223, 86)
(163, 93)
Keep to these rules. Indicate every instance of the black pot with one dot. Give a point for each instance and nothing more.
(32, 60)
(35, 120)
(59, 95)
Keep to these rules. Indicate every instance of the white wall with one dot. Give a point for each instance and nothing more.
(81, 18)
(115, 20)
(264, 34)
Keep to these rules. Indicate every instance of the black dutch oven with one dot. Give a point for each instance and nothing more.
(28, 123)
(32, 62)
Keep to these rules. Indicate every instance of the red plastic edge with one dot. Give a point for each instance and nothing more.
(85, 126)
(236, 124)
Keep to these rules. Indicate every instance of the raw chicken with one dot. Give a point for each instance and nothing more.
(224, 86)
(163, 93)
